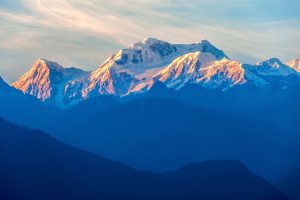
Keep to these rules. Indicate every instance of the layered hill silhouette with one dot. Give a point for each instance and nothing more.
(158, 106)
(33, 165)
(160, 134)
(279, 107)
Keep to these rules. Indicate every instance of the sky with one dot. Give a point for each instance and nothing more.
(84, 33)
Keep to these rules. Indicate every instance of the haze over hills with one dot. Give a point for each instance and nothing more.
(152, 95)
(34, 165)
(89, 110)
(158, 134)
(137, 68)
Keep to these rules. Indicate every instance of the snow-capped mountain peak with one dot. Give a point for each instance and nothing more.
(295, 64)
(207, 47)
(189, 68)
(184, 69)
(273, 67)
(148, 42)
(222, 74)
(46, 65)
(272, 62)
(138, 63)
(45, 79)
(143, 59)
(139, 58)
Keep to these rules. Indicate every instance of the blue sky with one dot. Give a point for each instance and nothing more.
(84, 33)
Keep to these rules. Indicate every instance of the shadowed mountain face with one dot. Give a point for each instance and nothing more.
(279, 107)
(35, 166)
(25, 109)
(161, 134)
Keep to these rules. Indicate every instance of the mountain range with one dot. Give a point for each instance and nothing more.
(36, 166)
(158, 106)
(136, 69)
(160, 134)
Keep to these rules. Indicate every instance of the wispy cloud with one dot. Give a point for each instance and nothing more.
(76, 32)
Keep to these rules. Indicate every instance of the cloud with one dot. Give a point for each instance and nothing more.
(84, 33)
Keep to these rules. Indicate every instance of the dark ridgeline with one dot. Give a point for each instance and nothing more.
(290, 185)
(33, 166)
(156, 133)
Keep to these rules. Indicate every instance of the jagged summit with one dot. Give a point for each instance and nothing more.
(45, 79)
(209, 67)
(273, 62)
(133, 67)
(208, 47)
(43, 60)
(43, 63)
(273, 67)
(184, 69)
(222, 74)
(149, 41)
(152, 46)
(150, 55)
(37, 80)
